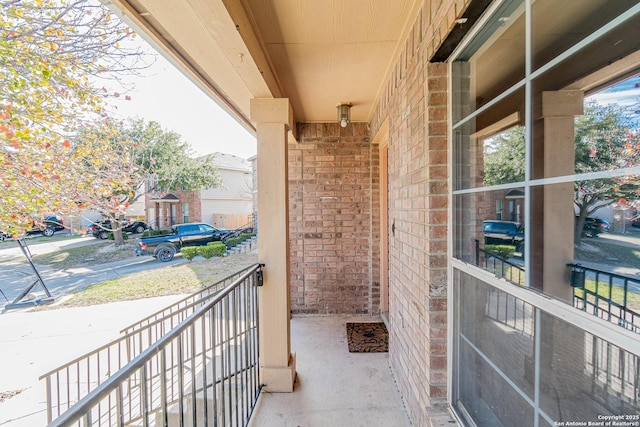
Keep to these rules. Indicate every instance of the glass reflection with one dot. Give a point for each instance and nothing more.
(496, 360)
(581, 135)
(476, 78)
(489, 149)
(489, 232)
(556, 30)
(504, 157)
(582, 377)
(607, 251)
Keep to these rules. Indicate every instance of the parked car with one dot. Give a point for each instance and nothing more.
(48, 227)
(135, 227)
(164, 247)
(504, 233)
(101, 229)
(595, 226)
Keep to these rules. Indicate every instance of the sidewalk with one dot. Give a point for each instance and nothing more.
(35, 342)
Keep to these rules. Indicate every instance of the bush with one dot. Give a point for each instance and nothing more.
(233, 241)
(213, 249)
(190, 252)
(246, 236)
(503, 251)
(110, 236)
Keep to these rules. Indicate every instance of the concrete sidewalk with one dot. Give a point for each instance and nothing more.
(33, 342)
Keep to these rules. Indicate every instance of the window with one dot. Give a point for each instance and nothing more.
(185, 212)
(540, 119)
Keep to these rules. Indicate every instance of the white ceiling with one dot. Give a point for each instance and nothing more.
(317, 53)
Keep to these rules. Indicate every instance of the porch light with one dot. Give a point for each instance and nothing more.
(344, 113)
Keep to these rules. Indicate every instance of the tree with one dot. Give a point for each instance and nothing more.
(605, 139)
(138, 153)
(50, 53)
(504, 160)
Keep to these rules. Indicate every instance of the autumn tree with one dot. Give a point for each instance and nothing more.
(138, 153)
(605, 140)
(51, 52)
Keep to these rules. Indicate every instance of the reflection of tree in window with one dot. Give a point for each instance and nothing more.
(504, 157)
(606, 139)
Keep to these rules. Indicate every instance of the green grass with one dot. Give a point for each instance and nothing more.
(92, 254)
(617, 293)
(170, 280)
(599, 250)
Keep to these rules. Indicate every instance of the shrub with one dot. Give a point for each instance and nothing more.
(246, 236)
(190, 252)
(110, 236)
(503, 251)
(233, 241)
(214, 248)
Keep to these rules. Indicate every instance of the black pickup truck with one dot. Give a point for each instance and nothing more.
(164, 247)
(504, 233)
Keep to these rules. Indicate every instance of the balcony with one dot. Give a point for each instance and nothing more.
(198, 358)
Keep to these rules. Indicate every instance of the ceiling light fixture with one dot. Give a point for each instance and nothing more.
(344, 113)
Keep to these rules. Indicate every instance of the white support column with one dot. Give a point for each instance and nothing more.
(274, 118)
(559, 110)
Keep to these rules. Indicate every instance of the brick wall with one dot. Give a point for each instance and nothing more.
(333, 218)
(415, 104)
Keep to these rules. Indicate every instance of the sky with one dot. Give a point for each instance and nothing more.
(168, 97)
(626, 94)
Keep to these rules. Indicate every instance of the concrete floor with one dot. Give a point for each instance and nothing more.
(333, 387)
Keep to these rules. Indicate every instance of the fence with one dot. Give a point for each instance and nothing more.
(204, 371)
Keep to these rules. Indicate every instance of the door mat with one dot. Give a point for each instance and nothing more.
(367, 337)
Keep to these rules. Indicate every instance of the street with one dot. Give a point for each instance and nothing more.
(16, 273)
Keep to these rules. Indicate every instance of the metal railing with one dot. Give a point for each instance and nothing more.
(606, 295)
(204, 371)
(499, 266)
(180, 310)
(510, 311)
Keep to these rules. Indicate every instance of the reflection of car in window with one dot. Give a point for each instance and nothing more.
(504, 233)
(594, 226)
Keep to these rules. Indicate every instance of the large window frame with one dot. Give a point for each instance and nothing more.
(542, 303)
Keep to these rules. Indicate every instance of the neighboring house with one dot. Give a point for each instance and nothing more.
(254, 175)
(227, 206)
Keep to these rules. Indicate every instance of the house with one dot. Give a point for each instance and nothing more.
(374, 211)
(229, 205)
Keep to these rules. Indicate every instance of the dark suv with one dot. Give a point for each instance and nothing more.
(594, 226)
(48, 227)
(504, 233)
(101, 230)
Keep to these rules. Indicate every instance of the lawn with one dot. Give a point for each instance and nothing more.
(601, 251)
(96, 253)
(170, 280)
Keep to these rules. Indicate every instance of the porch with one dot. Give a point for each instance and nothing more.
(333, 387)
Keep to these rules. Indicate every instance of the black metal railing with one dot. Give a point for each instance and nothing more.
(606, 295)
(499, 266)
(170, 316)
(204, 371)
(510, 311)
